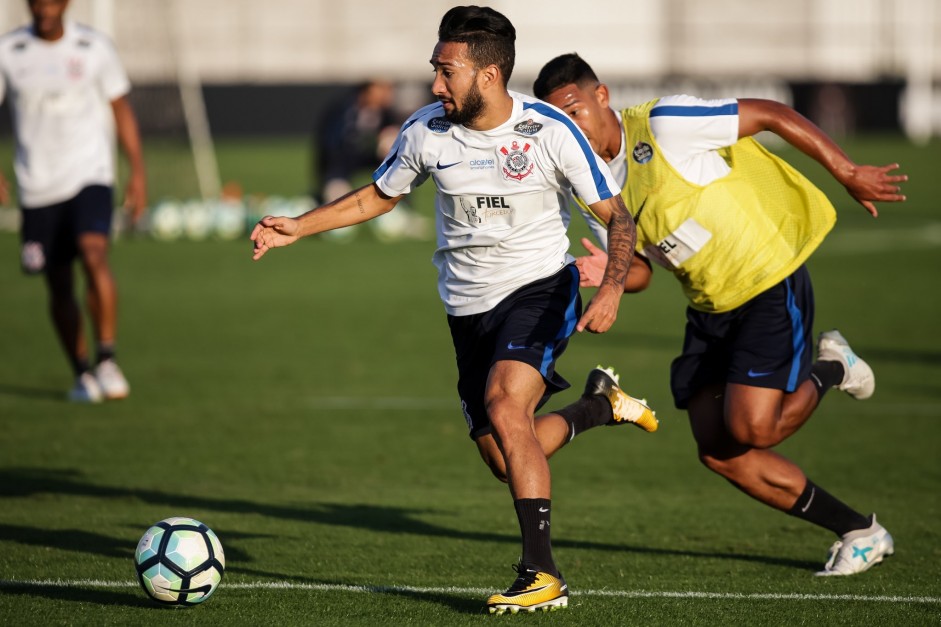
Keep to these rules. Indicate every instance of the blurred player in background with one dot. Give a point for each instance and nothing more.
(353, 135)
(64, 82)
(498, 160)
(735, 225)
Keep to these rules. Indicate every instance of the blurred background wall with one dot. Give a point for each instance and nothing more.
(268, 67)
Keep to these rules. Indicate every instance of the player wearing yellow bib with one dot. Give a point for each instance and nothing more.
(735, 224)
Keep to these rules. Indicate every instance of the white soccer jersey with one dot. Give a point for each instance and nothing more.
(500, 196)
(59, 95)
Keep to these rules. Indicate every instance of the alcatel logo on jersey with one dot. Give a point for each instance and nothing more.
(528, 127)
(483, 164)
(642, 152)
(517, 165)
(439, 125)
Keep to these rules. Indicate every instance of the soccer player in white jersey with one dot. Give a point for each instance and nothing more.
(735, 224)
(498, 160)
(63, 80)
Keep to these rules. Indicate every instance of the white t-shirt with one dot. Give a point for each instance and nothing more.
(59, 95)
(688, 130)
(500, 196)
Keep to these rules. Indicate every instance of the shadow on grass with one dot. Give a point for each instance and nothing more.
(35, 393)
(131, 598)
(461, 603)
(25, 482)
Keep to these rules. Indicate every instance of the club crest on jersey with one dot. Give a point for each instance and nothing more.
(439, 125)
(517, 165)
(528, 127)
(642, 153)
(75, 69)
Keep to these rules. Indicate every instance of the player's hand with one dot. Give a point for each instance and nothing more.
(591, 267)
(4, 191)
(869, 184)
(602, 311)
(135, 197)
(272, 232)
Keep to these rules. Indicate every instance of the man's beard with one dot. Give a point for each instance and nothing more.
(470, 109)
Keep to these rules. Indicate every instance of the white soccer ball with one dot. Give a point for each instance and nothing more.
(179, 561)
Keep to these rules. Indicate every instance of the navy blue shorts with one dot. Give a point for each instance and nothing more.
(50, 234)
(531, 325)
(767, 342)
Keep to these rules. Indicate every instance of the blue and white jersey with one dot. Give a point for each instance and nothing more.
(59, 93)
(690, 130)
(500, 195)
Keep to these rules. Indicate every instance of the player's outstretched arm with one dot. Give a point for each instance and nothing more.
(622, 236)
(359, 205)
(867, 184)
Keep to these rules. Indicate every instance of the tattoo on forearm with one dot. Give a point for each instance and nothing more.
(359, 203)
(622, 237)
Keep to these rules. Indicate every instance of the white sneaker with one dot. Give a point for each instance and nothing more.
(112, 381)
(858, 379)
(858, 551)
(86, 389)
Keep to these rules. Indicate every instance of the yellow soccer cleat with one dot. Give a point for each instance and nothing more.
(533, 590)
(627, 409)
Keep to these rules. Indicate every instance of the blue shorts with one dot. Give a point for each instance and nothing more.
(531, 325)
(767, 342)
(50, 234)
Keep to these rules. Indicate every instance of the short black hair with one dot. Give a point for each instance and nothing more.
(489, 35)
(563, 70)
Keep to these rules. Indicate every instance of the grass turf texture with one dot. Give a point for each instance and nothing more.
(304, 408)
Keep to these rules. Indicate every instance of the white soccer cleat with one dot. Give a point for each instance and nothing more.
(111, 380)
(858, 379)
(86, 389)
(858, 551)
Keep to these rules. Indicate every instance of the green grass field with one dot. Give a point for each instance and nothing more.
(304, 408)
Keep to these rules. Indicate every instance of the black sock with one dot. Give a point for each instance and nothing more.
(105, 352)
(533, 515)
(817, 506)
(825, 375)
(585, 413)
(79, 365)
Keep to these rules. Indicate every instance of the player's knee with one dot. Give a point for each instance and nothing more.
(752, 431)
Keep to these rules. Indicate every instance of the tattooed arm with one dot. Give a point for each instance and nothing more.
(359, 205)
(622, 236)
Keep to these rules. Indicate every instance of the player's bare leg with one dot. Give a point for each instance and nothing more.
(66, 315)
(101, 289)
(776, 481)
(513, 391)
(764, 417)
(762, 474)
(67, 321)
(103, 307)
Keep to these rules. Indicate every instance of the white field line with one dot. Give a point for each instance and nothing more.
(626, 594)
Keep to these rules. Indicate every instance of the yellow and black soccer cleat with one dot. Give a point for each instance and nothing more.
(627, 409)
(533, 590)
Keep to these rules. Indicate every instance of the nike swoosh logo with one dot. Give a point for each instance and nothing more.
(813, 491)
(640, 210)
(516, 347)
(509, 594)
(755, 375)
(445, 166)
(543, 510)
